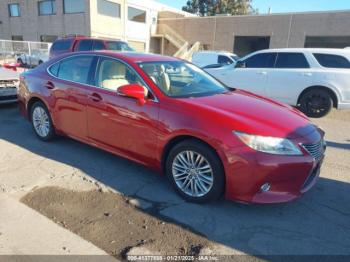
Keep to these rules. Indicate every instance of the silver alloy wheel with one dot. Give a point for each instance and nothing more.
(192, 173)
(41, 121)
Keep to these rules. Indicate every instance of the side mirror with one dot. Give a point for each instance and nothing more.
(240, 64)
(134, 91)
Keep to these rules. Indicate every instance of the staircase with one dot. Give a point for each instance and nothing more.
(185, 50)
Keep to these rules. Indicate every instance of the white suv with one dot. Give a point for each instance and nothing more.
(213, 59)
(315, 80)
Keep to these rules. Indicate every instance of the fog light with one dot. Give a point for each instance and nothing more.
(265, 187)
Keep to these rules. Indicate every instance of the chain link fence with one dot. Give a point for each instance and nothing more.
(27, 54)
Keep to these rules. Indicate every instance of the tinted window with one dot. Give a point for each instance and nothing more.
(54, 69)
(332, 61)
(61, 45)
(291, 60)
(224, 60)
(118, 46)
(99, 45)
(14, 10)
(136, 15)
(265, 60)
(85, 45)
(75, 69)
(108, 8)
(113, 74)
(47, 7)
(76, 6)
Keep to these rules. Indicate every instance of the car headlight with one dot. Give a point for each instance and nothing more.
(271, 145)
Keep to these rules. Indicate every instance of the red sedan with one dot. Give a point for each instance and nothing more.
(173, 117)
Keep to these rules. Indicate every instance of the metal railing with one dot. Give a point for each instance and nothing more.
(195, 47)
(171, 35)
(28, 54)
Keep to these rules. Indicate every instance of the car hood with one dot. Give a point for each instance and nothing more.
(254, 114)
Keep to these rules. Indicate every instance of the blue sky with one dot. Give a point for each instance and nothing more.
(282, 6)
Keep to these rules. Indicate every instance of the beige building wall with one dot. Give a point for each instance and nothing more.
(31, 26)
(107, 26)
(284, 30)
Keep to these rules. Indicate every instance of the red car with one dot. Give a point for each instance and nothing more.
(84, 43)
(171, 116)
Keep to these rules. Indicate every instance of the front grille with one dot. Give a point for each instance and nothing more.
(6, 98)
(315, 150)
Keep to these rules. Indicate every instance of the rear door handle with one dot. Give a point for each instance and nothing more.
(95, 97)
(262, 73)
(49, 85)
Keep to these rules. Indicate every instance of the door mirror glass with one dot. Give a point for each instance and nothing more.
(134, 91)
(240, 64)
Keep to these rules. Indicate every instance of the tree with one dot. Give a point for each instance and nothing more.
(214, 7)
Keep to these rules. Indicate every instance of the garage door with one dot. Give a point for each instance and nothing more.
(138, 46)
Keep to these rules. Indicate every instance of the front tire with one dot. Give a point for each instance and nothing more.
(316, 103)
(42, 122)
(195, 171)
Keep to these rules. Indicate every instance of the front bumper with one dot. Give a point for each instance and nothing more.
(289, 177)
(8, 95)
(342, 106)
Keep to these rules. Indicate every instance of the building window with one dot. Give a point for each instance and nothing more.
(14, 10)
(136, 15)
(47, 7)
(17, 37)
(76, 6)
(137, 46)
(48, 38)
(108, 8)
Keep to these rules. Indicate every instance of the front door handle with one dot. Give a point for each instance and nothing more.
(262, 73)
(49, 85)
(306, 74)
(95, 97)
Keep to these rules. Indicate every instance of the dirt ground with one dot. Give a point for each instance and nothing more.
(111, 222)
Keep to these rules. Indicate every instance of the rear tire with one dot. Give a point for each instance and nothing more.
(195, 171)
(316, 103)
(42, 122)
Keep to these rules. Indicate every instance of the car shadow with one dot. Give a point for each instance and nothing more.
(338, 145)
(316, 224)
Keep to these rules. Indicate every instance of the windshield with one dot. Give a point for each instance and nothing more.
(235, 57)
(118, 46)
(181, 79)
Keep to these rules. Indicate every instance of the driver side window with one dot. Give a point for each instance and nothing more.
(263, 60)
(112, 74)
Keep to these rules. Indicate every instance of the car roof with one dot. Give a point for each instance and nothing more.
(133, 57)
(215, 52)
(310, 50)
(89, 38)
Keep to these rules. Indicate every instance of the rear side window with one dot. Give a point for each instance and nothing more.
(118, 46)
(332, 61)
(61, 45)
(54, 69)
(75, 69)
(264, 60)
(291, 60)
(99, 45)
(85, 45)
(224, 60)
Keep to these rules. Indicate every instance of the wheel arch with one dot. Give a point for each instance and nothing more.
(332, 93)
(30, 103)
(178, 139)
